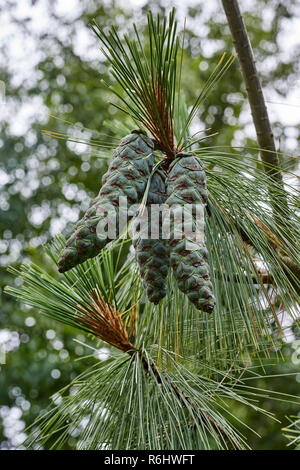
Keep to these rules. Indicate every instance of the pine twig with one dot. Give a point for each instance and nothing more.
(150, 368)
(106, 323)
(256, 99)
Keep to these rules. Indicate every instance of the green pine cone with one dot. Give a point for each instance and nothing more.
(153, 254)
(186, 184)
(127, 176)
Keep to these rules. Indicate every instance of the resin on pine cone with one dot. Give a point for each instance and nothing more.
(152, 254)
(127, 176)
(186, 184)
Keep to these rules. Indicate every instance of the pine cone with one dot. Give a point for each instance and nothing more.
(153, 254)
(186, 184)
(127, 176)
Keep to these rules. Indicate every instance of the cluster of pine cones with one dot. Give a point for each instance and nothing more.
(127, 175)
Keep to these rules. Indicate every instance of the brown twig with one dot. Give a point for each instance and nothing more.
(257, 103)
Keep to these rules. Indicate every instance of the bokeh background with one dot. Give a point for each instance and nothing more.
(51, 65)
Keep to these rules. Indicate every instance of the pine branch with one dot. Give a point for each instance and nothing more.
(259, 111)
(183, 406)
(151, 369)
(106, 323)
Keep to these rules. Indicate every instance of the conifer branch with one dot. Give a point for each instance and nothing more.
(106, 323)
(258, 106)
(151, 369)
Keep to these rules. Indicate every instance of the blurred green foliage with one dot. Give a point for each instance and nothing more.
(45, 183)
